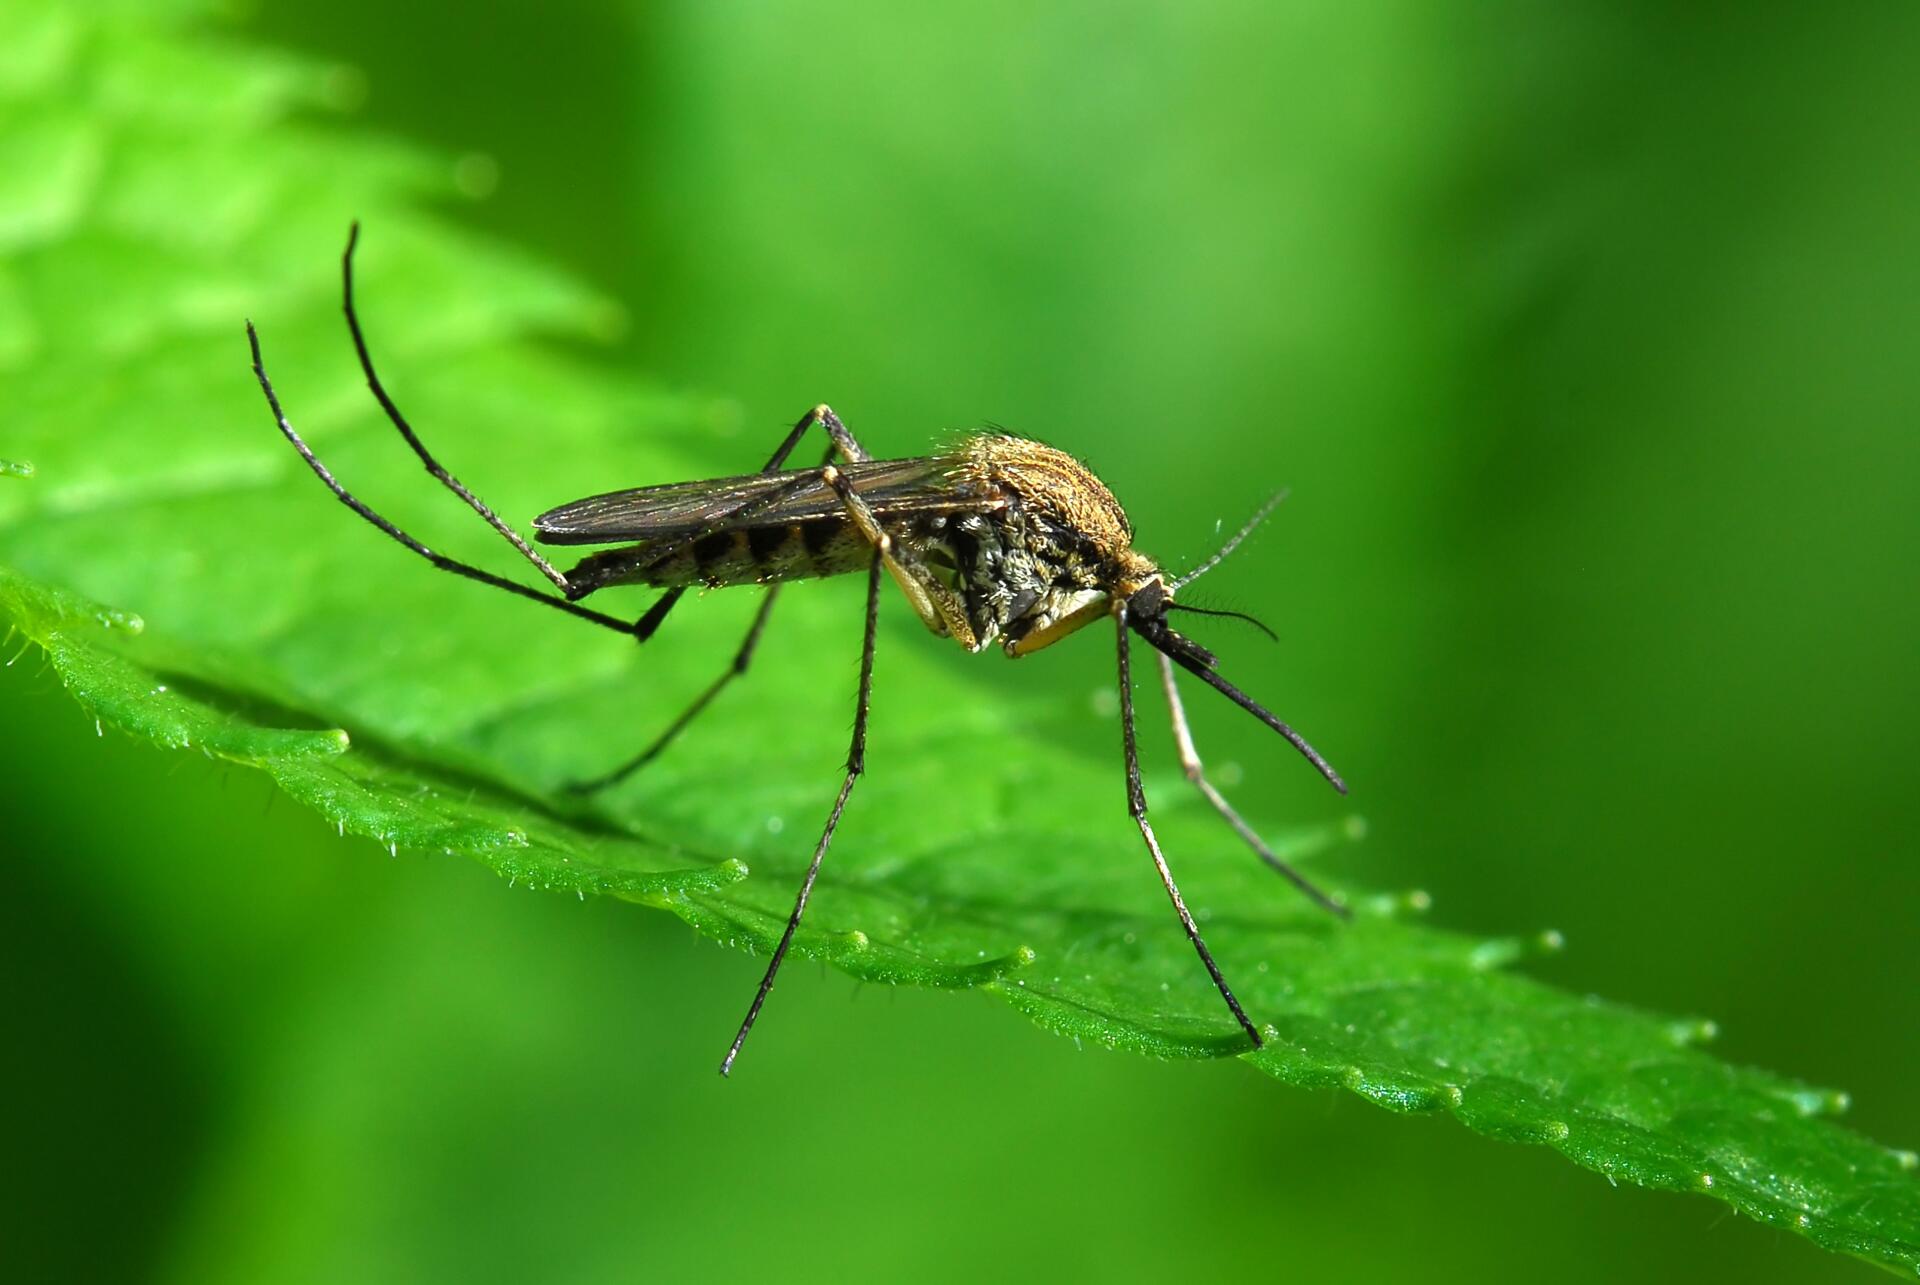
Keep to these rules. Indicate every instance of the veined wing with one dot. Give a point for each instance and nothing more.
(652, 513)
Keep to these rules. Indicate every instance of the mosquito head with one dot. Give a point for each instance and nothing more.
(1147, 610)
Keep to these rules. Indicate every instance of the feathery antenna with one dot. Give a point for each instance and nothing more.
(1231, 615)
(1259, 516)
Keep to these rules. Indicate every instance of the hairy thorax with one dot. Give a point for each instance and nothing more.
(1047, 544)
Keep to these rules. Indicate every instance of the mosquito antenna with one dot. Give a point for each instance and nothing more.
(1259, 516)
(1216, 611)
(1195, 663)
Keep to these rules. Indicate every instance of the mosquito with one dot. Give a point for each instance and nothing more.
(1000, 539)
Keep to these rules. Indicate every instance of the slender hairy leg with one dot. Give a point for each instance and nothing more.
(842, 442)
(1190, 760)
(856, 764)
(741, 660)
(938, 607)
(1137, 806)
(441, 561)
(888, 553)
(434, 466)
(640, 630)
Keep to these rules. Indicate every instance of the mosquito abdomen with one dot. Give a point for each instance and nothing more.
(741, 555)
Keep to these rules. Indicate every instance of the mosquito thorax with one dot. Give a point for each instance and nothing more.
(1049, 483)
(1043, 552)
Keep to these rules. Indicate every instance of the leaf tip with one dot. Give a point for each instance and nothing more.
(16, 468)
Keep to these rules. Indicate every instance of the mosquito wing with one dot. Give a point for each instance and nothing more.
(890, 487)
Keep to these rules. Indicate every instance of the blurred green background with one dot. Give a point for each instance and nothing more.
(1582, 335)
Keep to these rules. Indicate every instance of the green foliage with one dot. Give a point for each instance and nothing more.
(154, 194)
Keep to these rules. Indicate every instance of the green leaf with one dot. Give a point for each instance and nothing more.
(154, 192)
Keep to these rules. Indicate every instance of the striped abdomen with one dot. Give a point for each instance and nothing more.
(742, 555)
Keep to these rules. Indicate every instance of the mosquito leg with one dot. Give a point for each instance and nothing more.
(856, 764)
(938, 607)
(658, 612)
(843, 444)
(434, 467)
(353, 502)
(850, 449)
(655, 615)
(1190, 760)
(741, 660)
(1137, 805)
